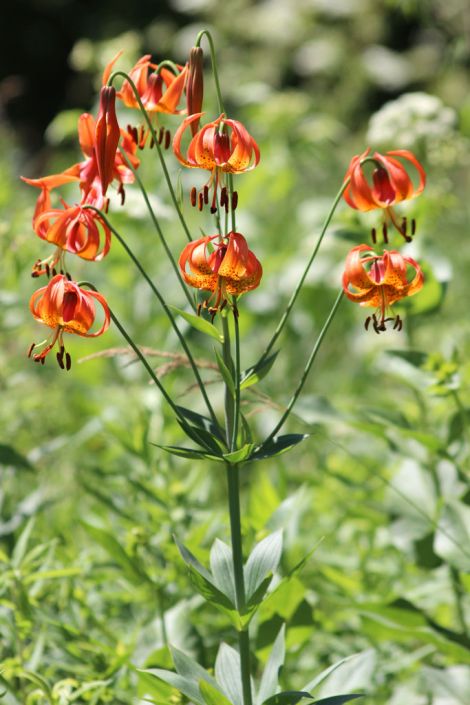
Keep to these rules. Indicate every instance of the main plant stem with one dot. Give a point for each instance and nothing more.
(233, 485)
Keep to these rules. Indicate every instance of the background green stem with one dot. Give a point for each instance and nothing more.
(159, 230)
(167, 311)
(307, 368)
(297, 289)
(236, 535)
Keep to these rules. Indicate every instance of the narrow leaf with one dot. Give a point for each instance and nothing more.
(338, 699)
(238, 456)
(199, 324)
(191, 560)
(201, 422)
(270, 680)
(222, 569)
(227, 673)
(211, 695)
(278, 445)
(192, 453)
(190, 669)
(256, 373)
(184, 685)
(287, 697)
(225, 372)
(263, 559)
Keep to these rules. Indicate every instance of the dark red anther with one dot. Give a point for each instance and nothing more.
(54, 272)
(385, 232)
(213, 210)
(367, 322)
(42, 360)
(200, 200)
(193, 196)
(198, 309)
(167, 139)
(413, 226)
(48, 270)
(223, 197)
(373, 234)
(206, 194)
(142, 137)
(31, 348)
(35, 275)
(67, 274)
(234, 200)
(152, 143)
(68, 361)
(161, 134)
(60, 358)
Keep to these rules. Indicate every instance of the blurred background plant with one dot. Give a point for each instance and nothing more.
(88, 507)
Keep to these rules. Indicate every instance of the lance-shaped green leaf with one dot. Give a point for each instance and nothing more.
(238, 456)
(199, 324)
(287, 697)
(227, 673)
(202, 437)
(211, 695)
(225, 372)
(184, 685)
(263, 559)
(201, 422)
(192, 453)
(204, 583)
(256, 373)
(270, 679)
(221, 563)
(132, 568)
(190, 669)
(278, 445)
(338, 699)
(10, 456)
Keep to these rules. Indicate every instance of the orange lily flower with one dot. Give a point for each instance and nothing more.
(379, 281)
(67, 308)
(391, 184)
(73, 229)
(228, 268)
(150, 83)
(214, 149)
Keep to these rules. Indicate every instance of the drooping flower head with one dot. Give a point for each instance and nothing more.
(66, 308)
(222, 147)
(388, 184)
(75, 229)
(221, 264)
(379, 281)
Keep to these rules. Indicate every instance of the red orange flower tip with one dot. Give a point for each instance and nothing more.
(379, 281)
(223, 265)
(67, 308)
(388, 184)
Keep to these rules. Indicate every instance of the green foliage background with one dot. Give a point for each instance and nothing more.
(88, 506)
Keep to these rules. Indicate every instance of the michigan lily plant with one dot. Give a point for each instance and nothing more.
(213, 272)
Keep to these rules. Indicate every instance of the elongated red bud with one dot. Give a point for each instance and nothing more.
(107, 135)
(195, 85)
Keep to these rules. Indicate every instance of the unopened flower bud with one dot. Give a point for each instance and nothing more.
(195, 85)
